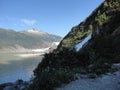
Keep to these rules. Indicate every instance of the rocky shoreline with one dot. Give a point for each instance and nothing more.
(18, 85)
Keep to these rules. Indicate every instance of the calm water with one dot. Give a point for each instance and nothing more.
(13, 67)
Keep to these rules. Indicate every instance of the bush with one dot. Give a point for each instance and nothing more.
(54, 70)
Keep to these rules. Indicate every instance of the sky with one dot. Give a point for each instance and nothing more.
(51, 16)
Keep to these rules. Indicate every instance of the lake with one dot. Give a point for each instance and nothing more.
(18, 66)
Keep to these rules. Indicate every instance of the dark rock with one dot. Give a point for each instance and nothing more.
(6, 84)
(116, 32)
(18, 85)
(10, 88)
(2, 86)
(92, 76)
(20, 81)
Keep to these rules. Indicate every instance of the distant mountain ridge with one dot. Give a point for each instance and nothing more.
(34, 31)
(41, 35)
(27, 39)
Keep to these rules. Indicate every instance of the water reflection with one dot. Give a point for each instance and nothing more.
(13, 67)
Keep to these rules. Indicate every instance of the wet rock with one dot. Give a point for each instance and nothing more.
(23, 86)
(116, 66)
(92, 76)
(2, 86)
(18, 85)
(10, 88)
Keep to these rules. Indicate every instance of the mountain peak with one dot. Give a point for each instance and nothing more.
(34, 31)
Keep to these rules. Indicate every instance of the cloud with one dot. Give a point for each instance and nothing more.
(15, 24)
(28, 22)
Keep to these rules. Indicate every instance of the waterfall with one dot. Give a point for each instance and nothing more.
(81, 44)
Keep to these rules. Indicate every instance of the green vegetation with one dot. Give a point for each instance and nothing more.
(96, 58)
(101, 16)
(75, 36)
(53, 71)
(113, 4)
(101, 19)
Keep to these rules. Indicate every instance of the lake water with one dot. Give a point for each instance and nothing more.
(17, 66)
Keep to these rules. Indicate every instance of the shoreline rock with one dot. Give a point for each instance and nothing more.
(18, 85)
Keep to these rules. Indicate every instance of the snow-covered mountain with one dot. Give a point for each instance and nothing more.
(11, 40)
(34, 31)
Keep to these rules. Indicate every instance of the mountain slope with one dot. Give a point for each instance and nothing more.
(95, 58)
(11, 39)
(41, 35)
(104, 14)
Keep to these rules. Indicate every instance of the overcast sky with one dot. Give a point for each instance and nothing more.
(52, 16)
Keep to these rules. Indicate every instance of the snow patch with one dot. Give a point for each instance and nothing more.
(81, 44)
(35, 31)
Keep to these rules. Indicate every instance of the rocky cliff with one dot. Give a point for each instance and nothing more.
(103, 20)
(95, 57)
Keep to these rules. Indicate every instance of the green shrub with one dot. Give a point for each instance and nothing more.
(101, 19)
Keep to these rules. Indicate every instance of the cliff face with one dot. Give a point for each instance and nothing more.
(96, 57)
(103, 21)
